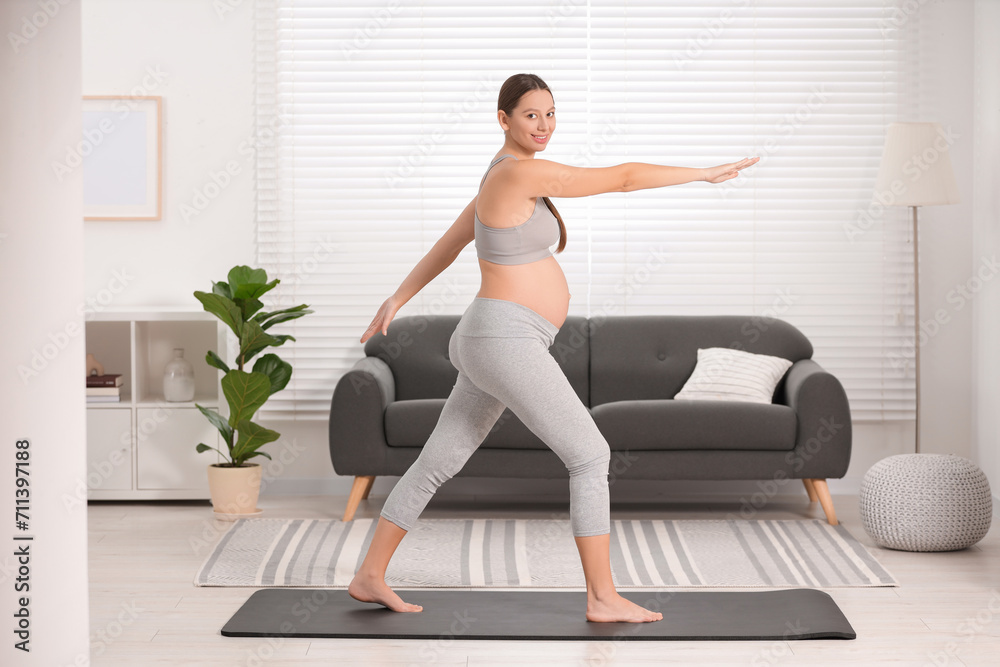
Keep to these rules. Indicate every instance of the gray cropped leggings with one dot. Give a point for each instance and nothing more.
(501, 351)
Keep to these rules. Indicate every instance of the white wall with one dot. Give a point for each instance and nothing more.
(946, 248)
(41, 355)
(986, 227)
(207, 88)
(200, 63)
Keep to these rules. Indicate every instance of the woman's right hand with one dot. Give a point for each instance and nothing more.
(726, 171)
(382, 318)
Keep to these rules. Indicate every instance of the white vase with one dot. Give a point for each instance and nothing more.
(178, 378)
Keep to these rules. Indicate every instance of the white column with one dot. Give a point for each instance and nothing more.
(41, 345)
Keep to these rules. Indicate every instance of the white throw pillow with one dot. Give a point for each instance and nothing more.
(725, 374)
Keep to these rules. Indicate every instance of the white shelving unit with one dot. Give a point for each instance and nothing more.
(143, 448)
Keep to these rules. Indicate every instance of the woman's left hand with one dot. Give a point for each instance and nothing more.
(726, 171)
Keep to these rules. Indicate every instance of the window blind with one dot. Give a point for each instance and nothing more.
(376, 121)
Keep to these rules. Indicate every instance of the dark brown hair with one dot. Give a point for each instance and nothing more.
(510, 95)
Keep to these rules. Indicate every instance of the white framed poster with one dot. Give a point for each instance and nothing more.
(122, 146)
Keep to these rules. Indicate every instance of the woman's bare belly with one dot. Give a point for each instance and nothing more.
(539, 285)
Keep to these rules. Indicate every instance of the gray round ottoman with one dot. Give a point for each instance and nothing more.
(926, 502)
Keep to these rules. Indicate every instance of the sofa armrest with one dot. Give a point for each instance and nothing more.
(357, 418)
(823, 414)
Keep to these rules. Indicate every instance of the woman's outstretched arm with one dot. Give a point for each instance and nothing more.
(437, 259)
(544, 178)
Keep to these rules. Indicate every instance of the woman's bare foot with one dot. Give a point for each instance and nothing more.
(617, 608)
(374, 589)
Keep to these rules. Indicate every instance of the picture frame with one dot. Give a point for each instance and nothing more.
(122, 157)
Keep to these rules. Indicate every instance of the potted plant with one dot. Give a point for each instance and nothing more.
(235, 484)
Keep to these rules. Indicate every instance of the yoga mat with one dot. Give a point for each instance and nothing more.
(800, 613)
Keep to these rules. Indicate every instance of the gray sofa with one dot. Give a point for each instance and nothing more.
(626, 369)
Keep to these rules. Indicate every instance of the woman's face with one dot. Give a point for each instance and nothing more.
(533, 121)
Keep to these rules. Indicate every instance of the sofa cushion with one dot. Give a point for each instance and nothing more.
(668, 424)
(725, 374)
(415, 347)
(410, 424)
(641, 357)
(632, 425)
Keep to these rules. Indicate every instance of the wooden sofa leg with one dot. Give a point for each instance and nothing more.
(359, 491)
(811, 490)
(823, 491)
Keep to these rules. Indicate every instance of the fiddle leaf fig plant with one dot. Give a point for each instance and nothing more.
(237, 303)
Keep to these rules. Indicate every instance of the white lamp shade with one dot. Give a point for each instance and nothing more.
(916, 167)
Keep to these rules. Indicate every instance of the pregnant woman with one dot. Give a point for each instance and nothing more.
(501, 344)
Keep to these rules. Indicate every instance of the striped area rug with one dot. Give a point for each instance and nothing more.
(541, 553)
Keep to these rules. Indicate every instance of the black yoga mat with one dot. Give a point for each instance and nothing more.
(798, 613)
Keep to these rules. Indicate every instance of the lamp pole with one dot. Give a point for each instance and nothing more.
(916, 325)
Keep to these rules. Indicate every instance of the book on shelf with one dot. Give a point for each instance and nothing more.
(104, 391)
(106, 380)
(104, 399)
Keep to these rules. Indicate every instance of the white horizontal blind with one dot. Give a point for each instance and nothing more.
(385, 121)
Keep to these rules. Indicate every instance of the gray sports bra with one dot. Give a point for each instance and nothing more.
(521, 244)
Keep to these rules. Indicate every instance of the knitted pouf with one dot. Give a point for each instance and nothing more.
(926, 502)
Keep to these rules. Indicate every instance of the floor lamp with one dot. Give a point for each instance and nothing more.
(916, 171)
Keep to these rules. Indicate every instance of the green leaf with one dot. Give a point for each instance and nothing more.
(214, 360)
(251, 437)
(243, 274)
(247, 283)
(219, 422)
(254, 340)
(253, 454)
(282, 338)
(260, 317)
(284, 317)
(202, 447)
(223, 308)
(245, 392)
(248, 307)
(276, 369)
(222, 289)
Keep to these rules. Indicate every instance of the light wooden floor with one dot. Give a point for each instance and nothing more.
(145, 610)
